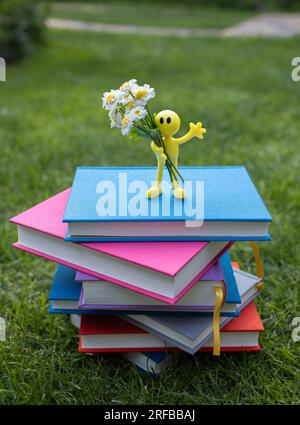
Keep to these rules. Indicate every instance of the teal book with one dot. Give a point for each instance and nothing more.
(110, 204)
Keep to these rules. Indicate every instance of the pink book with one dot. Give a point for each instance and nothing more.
(162, 270)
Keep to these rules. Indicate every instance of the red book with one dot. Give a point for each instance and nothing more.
(99, 334)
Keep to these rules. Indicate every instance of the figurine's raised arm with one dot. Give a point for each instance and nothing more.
(196, 130)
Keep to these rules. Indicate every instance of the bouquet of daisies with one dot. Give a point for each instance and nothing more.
(128, 110)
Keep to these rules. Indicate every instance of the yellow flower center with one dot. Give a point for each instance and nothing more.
(124, 121)
(130, 105)
(110, 98)
(137, 112)
(141, 93)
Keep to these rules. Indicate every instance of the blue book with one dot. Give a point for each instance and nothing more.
(65, 295)
(65, 292)
(109, 204)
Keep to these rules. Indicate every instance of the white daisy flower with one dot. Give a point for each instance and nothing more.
(128, 86)
(136, 113)
(126, 99)
(115, 118)
(127, 125)
(110, 99)
(143, 93)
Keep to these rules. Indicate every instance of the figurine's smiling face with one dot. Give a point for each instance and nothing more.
(168, 122)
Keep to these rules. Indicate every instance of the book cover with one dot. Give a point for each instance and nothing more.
(64, 286)
(230, 194)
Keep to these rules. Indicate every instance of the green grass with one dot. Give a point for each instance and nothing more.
(145, 13)
(51, 121)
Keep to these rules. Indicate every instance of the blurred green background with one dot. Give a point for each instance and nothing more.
(51, 121)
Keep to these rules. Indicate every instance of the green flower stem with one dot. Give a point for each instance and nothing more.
(151, 118)
(172, 166)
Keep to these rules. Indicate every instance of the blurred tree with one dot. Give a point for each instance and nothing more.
(21, 26)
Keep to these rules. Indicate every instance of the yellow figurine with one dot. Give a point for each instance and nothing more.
(168, 123)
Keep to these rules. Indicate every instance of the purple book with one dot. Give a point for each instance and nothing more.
(102, 295)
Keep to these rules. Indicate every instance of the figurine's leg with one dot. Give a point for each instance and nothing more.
(155, 190)
(178, 191)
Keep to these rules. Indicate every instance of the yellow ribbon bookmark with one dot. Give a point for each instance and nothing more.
(258, 263)
(216, 320)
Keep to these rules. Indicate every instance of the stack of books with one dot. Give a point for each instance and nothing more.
(149, 277)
